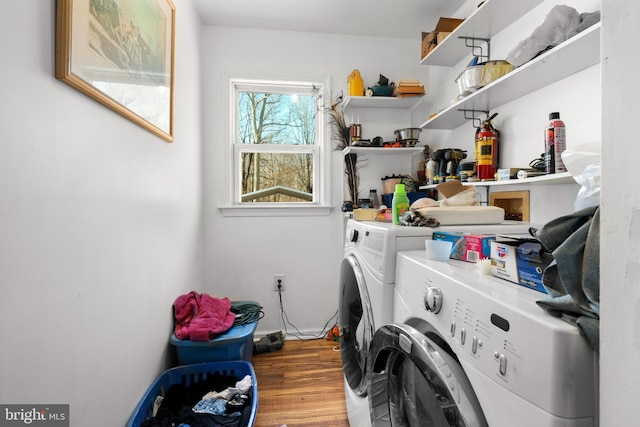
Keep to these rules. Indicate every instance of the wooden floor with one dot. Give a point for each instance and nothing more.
(301, 385)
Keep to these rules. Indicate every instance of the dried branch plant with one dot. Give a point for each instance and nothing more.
(339, 129)
(340, 134)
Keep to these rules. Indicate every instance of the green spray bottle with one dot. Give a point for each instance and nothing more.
(399, 204)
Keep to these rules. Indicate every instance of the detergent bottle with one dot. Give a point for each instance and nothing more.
(356, 84)
(399, 204)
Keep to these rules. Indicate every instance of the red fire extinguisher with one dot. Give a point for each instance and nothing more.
(487, 149)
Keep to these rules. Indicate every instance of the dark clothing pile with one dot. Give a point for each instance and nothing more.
(178, 404)
(572, 280)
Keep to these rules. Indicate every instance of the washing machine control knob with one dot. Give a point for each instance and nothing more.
(353, 236)
(433, 300)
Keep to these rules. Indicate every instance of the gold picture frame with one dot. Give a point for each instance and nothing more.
(121, 54)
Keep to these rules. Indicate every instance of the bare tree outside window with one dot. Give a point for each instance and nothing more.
(276, 132)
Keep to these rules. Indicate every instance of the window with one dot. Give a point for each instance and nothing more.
(277, 134)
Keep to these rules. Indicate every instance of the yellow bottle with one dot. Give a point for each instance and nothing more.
(356, 85)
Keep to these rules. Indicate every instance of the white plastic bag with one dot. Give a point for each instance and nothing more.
(466, 197)
(560, 24)
(583, 164)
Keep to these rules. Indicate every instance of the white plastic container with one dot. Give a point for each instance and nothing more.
(438, 250)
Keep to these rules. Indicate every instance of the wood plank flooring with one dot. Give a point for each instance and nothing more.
(301, 385)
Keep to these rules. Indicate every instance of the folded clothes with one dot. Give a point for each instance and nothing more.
(201, 317)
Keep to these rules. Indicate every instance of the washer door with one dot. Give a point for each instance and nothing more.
(355, 320)
(417, 381)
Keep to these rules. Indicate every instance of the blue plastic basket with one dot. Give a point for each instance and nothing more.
(193, 374)
(235, 344)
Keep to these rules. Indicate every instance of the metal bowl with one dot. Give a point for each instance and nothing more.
(407, 134)
(478, 76)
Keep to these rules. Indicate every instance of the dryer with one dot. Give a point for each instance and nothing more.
(467, 349)
(367, 276)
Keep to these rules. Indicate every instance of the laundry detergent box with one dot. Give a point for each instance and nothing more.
(520, 261)
(466, 246)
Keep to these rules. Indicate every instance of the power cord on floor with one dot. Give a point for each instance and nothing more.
(299, 335)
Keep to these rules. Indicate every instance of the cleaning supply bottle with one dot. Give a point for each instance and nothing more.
(555, 143)
(399, 204)
(375, 201)
(355, 83)
(432, 170)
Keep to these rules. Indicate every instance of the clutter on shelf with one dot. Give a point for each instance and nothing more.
(408, 88)
(382, 88)
(477, 75)
(432, 39)
(560, 24)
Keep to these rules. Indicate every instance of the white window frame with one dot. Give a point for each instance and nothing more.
(319, 205)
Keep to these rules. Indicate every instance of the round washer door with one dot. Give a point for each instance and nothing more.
(355, 320)
(417, 381)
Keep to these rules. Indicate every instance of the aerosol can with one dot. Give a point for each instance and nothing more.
(487, 149)
(555, 143)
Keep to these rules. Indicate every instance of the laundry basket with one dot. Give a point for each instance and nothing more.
(235, 344)
(192, 374)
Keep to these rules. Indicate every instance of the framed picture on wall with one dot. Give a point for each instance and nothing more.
(121, 54)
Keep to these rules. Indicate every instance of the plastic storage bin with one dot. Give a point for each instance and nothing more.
(192, 374)
(235, 344)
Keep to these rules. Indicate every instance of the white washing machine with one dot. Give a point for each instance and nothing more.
(467, 349)
(367, 276)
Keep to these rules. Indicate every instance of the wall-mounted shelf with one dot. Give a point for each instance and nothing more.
(383, 151)
(485, 22)
(566, 59)
(380, 102)
(552, 179)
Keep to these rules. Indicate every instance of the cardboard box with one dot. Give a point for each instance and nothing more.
(515, 204)
(467, 247)
(365, 214)
(431, 39)
(507, 173)
(520, 261)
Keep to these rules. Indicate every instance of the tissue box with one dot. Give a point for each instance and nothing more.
(467, 247)
(520, 261)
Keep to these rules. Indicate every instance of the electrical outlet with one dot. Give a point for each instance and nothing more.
(278, 282)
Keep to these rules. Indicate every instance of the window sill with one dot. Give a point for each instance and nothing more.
(275, 210)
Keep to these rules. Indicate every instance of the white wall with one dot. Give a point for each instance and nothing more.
(620, 256)
(243, 254)
(100, 229)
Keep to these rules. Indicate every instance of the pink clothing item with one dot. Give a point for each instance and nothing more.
(200, 317)
(185, 309)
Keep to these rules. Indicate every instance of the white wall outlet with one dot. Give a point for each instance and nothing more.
(278, 282)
